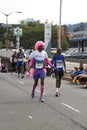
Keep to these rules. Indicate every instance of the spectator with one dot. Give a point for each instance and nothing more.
(75, 75)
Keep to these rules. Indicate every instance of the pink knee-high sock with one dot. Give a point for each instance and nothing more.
(33, 88)
(42, 90)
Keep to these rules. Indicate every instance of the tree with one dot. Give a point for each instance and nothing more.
(65, 45)
(2, 36)
(32, 31)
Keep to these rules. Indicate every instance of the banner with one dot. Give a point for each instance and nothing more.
(17, 31)
(47, 38)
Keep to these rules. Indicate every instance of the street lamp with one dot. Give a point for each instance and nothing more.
(7, 41)
(59, 32)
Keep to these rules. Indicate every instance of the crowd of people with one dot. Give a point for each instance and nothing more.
(36, 68)
(79, 75)
(37, 62)
(18, 62)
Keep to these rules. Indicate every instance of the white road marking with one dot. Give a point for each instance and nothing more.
(30, 117)
(21, 82)
(70, 107)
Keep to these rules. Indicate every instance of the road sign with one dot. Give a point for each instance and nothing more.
(17, 31)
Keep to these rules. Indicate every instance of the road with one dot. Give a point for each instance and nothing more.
(18, 111)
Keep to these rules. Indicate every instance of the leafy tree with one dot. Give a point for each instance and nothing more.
(32, 31)
(65, 45)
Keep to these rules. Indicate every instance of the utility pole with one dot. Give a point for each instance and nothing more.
(59, 30)
(7, 40)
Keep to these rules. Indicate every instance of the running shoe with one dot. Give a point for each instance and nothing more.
(41, 100)
(73, 81)
(77, 81)
(57, 94)
(85, 85)
(22, 76)
(33, 95)
(19, 75)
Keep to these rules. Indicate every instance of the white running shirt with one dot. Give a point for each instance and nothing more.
(39, 58)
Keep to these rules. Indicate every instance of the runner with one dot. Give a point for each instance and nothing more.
(60, 66)
(38, 61)
(20, 63)
(13, 60)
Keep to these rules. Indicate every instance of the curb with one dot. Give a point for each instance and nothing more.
(66, 78)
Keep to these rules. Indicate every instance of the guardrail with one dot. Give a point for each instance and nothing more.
(5, 53)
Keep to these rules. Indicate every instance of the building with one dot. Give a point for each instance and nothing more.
(80, 39)
(63, 33)
(29, 20)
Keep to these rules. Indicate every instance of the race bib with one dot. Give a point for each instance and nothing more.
(59, 64)
(20, 59)
(39, 65)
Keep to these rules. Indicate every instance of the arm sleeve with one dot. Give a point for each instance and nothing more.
(48, 62)
(31, 62)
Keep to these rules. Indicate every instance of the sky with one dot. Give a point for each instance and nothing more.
(72, 11)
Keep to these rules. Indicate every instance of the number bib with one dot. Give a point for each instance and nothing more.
(59, 64)
(39, 65)
(20, 59)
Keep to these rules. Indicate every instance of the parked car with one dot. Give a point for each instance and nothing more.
(74, 55)
(69, 54)
(82, 55)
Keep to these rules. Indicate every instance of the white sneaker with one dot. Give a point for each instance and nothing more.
(77, 81)
(85, 86)
(57, 94)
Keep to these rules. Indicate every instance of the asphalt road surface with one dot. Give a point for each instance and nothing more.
(18, 111)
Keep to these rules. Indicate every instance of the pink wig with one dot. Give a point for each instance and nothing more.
(38, 44)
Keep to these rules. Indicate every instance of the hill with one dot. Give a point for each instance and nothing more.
(77, 27)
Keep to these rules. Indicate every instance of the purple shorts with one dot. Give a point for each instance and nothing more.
(39, 73)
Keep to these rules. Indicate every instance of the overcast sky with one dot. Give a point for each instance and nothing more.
(73, 11)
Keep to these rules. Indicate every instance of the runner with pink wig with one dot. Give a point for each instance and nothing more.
(38, 44)
(38, 61)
